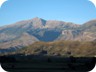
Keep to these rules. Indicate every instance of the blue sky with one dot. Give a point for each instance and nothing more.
(76, 11)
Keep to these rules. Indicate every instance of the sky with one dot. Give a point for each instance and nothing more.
(76, 11)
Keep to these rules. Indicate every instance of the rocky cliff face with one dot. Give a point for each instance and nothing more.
(26, 32)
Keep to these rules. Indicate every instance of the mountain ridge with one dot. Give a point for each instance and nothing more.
(35, 18)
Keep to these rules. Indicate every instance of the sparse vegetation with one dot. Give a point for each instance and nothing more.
(59, 48)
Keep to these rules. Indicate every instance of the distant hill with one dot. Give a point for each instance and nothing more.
(27, 32)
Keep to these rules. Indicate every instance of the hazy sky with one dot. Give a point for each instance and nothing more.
(77, 11)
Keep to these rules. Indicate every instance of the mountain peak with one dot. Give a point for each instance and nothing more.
(37, 18)
(39, 21)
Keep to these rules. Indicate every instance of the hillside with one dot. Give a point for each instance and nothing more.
(59, 48)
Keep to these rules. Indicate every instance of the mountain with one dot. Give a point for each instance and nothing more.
(24, 33)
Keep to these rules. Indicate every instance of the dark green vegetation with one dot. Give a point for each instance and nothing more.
(43, 64)
(59, 48)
